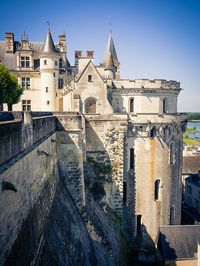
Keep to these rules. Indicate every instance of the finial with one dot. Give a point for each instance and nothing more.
(110, 26)
(24, 37)
(48, 23)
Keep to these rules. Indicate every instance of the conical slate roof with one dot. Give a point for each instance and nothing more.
(110, 58)
(48, 46)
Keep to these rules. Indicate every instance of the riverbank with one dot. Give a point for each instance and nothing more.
(188, 140)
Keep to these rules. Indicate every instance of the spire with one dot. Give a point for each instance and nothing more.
(110, 58)
(48, 46)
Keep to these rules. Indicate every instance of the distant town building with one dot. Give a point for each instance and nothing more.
(179, 245)
(192, 191)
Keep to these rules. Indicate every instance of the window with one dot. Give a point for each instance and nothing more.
(54, 74)
(60, 83)
(90, 106)
(156, 189)
(172, 153)
(26, 105)
(48, 102)
(153, 133)
(56, 63)
(165, 105)
(132, 158)
(124, 192)
(89, 78)
(45, 62)
(139, 223)
(60, 63)
(47, 89)
(26, 83)
(25, 61)
(189, 189)
(131, 105)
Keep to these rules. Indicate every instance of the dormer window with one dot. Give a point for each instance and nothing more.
(25, 61)
(89, 78)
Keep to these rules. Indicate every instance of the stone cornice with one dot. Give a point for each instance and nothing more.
(141, 91)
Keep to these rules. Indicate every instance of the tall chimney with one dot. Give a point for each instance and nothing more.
(62, 43)
(90, 54)
(9, 42)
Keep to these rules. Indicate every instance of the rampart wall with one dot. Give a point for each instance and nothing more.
(28, 174)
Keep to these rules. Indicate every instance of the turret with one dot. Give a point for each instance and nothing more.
(49, 69)
(111, 62)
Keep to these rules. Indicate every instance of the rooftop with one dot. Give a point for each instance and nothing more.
(194, 178)
(179, 241)
(191, 165)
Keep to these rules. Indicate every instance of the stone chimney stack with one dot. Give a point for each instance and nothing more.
(62, 43)
(90, 54)
(9, 42)
(81, 61)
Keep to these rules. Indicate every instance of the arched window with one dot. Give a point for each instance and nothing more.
(90, 106)
(165, 105)
(156, 189)
(172, 153)
(131, 105)
(171, 218)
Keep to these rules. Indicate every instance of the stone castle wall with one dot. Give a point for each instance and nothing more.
(33, 173)
(105, 153)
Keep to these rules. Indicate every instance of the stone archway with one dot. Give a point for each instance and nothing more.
(91, 106)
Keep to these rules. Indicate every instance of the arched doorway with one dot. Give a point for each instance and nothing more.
(90, 106)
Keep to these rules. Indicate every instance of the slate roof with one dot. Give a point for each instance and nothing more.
(179, 241)
(110, 58)
(9, 59)
(191, 164)
(48, 47)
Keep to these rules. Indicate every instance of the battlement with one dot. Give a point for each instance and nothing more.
(147, 84)
(88, 54)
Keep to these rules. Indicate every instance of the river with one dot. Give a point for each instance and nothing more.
(197, 125)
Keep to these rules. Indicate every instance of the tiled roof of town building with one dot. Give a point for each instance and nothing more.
(179, 241)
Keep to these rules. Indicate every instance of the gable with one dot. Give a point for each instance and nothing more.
(90, 75)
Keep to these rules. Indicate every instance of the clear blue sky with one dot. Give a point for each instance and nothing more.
(153, 38)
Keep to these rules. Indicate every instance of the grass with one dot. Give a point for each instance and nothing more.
(189, 141)
(192, 142)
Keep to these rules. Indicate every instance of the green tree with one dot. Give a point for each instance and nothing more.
(10, 90)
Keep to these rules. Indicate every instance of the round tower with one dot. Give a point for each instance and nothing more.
(154, 155)
(49, 69)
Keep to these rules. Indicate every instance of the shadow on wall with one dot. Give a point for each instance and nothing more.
(167, 252)
(143, 251)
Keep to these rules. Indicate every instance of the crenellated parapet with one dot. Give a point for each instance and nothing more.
(146, 84)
